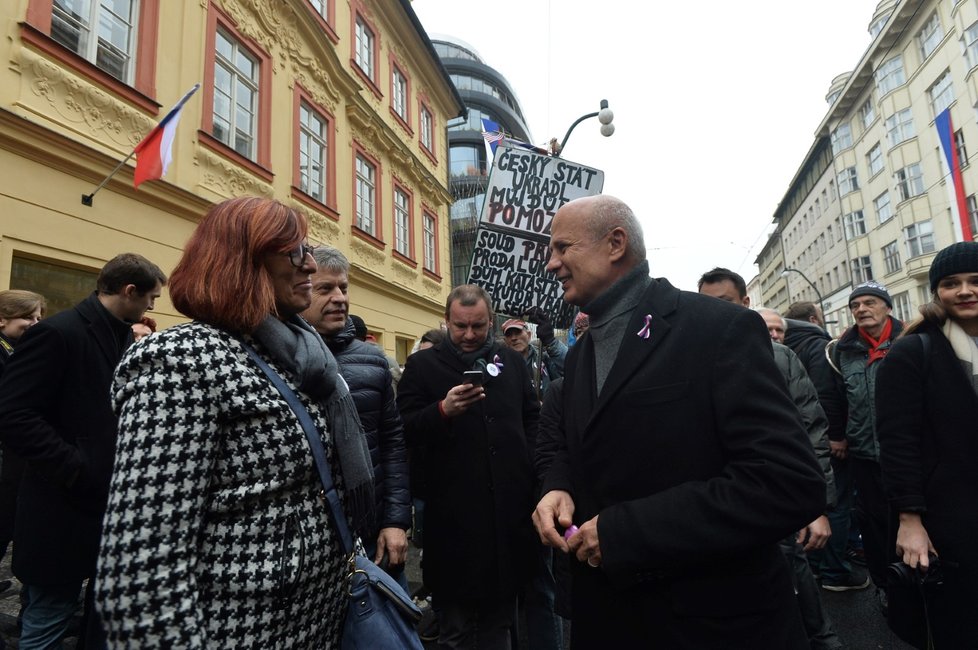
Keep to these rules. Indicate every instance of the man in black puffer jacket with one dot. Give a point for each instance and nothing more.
(364, 367)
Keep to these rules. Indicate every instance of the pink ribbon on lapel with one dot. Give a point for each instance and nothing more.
(646, 330)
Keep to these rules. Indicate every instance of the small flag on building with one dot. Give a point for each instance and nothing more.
(492, 134)
(155, 151)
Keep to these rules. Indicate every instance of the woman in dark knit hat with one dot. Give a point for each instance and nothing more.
(927, 421)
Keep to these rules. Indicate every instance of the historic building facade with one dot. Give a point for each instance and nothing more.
(338, 109)
(871, 199)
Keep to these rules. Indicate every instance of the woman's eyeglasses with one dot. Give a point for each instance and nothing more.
(297, 256)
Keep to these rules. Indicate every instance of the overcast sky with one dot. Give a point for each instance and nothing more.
(716, 103)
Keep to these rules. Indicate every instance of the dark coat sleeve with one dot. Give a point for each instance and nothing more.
(423, 422)
(899, 423)
(549, 436)
(29, 390)
(805, 396)
(394, 459)
(369, 377)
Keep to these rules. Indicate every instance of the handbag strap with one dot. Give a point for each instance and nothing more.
(316, 444)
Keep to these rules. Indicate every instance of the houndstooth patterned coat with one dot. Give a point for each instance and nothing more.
(215, 536)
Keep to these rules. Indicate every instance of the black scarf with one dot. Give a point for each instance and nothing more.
(468, 359)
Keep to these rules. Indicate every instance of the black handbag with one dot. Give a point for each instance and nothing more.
(380, 614)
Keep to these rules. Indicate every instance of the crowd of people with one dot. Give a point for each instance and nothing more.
(684, 472)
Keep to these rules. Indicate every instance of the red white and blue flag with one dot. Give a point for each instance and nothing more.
(494, 136)
(155, 151)
(956, 193)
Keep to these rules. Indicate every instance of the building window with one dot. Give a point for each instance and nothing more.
(321, 7)
(973, 212)
(867, 113)
(929, 37)
(841, 138)
(874, 160)
(236, 74)
(364, 53)
(959, 145)
(890, 75)
(100, 32)
(891, 257)
(855, 224)
(878, 24)
(402, 222)
(313, 153)
(920, 238)
(882, 206)
(430, 233)
(902, 308)
(467, 160)
(909, 181)
(112, 44)
(899, 127)
(399, 93)
(970, 43)
(848, 181)
(427, 129)
(941, 93)
(366, 184)
(862, 269)
(62, 286)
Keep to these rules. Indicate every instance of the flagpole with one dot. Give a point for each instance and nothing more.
(87, 199)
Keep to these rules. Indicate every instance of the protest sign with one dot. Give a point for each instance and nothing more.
(512, 244)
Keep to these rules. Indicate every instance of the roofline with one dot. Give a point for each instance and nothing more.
(419, 28)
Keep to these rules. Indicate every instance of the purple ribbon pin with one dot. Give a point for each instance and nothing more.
(646, 330)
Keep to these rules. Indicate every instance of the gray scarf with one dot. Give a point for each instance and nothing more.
(297, 347)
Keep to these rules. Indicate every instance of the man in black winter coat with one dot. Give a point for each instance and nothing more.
(682, 459)
(478, 433)
(365, 369)
(55, 413)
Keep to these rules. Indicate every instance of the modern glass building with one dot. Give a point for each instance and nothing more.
(486, 93)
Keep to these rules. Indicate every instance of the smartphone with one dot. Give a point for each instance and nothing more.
(473, 377)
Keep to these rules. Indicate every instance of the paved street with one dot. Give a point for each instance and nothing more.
(855, 614)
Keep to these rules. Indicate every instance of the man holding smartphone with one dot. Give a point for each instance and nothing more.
(469, 402)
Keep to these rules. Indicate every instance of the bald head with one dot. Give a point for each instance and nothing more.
(604, 212)
(594, 241)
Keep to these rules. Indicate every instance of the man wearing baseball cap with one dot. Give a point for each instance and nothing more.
(516, 334)
(855, 356)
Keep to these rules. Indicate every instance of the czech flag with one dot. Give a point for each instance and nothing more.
(155, 151)
(956, 193)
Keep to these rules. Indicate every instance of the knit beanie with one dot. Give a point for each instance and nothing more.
(956, 258)
(872, 288)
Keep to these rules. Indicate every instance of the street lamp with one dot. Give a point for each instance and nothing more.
(605, 116)
(821, 305)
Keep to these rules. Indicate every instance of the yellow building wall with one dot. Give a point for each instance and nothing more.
(61, 133)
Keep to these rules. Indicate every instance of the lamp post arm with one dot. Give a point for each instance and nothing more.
(818, 294)
(576, 122)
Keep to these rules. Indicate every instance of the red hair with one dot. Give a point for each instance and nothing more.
(221, 278)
